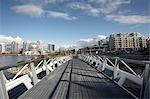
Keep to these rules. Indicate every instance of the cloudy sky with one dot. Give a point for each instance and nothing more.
(65, 22)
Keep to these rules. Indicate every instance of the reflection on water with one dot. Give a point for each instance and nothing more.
(8, 60)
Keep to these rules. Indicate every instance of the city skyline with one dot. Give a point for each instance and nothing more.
(65, 22)
(82, 43)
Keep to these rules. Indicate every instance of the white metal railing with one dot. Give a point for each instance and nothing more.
(47, 65)
(101, 63)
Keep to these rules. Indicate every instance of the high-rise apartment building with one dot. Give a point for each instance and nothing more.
(51, 47)
(25, 46)
(39, 45)
(125, 41)
(14, 47)
(2, 47)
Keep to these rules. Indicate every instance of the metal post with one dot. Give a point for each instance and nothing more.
(90, 52)
(97, 63)
(104, 63)
(116, 68)
(45, 64)
(146, 83)
(116, 61)
(122, 80)
(3, 91)
(35, 79)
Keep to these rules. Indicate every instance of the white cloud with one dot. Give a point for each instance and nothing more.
(62, 15)
(85, 7)
(29, 9)
(83, 43)
(37, 11)
(97, 7)
(66, 47)
(90, 41)
(9, 39)
(38, 8)
(129, 19)
(53, 1)
(111, 1)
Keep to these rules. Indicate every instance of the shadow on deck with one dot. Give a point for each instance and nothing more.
(75, 80)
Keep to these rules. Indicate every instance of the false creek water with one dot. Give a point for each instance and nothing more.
(8, 60)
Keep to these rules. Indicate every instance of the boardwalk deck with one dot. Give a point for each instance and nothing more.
(75, 80)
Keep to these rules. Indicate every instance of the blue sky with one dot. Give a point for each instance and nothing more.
(65, 22)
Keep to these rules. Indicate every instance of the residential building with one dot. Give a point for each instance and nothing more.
(14, 47)
(100, 47)
(51, 47)
(33, 48)
(7, 48)
(25, 46)
(39, 45)
(2, 48)
(148, 46)
(127, 41)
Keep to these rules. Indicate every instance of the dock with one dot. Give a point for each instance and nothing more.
(76, 77)
(75, 80)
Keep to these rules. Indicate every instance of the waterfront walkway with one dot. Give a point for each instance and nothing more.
(75, 80)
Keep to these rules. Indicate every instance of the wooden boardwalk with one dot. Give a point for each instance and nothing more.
(75, 80)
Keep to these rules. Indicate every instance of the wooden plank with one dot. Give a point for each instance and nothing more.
(61, 90)
(44, 88)
(86, 83)
(93, 86)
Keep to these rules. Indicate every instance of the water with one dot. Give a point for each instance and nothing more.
(8, 60)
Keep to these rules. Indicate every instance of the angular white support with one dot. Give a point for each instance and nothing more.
(100, 58)
(122, 80)
(20, 71)
(104, 64)
(50, 68)
(39, 64)
(116, 69)
(3, 91)
(35, 79)
(45, 64)
(145, 92)
(48, 61)
(116, 61)
(25, 79)
(98, 63)
(110, 62)
(128, 67)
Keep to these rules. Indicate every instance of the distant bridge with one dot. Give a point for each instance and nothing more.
(80, 77)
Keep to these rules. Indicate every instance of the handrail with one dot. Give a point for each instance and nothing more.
(146, 82)
(142, 62)
(121, 75)
(28, 78)
(128, 67)
(20, 71)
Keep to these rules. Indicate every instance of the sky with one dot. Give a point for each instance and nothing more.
(69, 22)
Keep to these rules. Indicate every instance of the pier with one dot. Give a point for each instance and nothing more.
(78, 77)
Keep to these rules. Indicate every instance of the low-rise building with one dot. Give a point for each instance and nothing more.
(94, 49)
